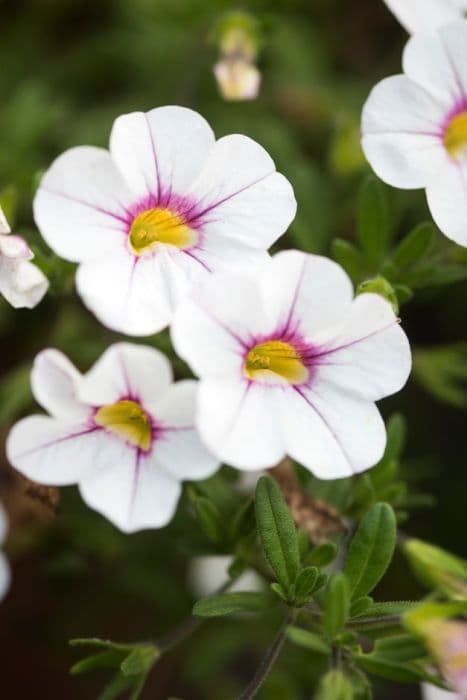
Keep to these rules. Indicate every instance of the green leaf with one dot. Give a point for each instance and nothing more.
(139, 661)
(402, 647)
(322, 555)
(106, 659)
(336, 604)
(392, 670)
(279, 591)
(100, 644)
(335, 685)
(390, 608)
(209, 518)
(308, 640)
(438, 568)
(305, 584)
(396, 429)
(277, 532)
(360, 606)
(349, 257)
(414, 246)
(229, 603)
(373, 220)
(116, 686)
(371, 550)
(244, 521)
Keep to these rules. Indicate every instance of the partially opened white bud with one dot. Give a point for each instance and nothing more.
(237, 79)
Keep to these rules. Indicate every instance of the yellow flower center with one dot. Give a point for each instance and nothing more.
(155, 226)
(127, 420)
(455, 136)
(274, 359)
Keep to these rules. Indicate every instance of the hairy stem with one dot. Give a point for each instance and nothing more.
(268, 661)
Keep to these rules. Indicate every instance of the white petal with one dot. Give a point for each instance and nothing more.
(160, 152)
(54, 452)
(402, 133)
(331, 434)
(426, 15)
(228, 255)
(15, 247)
(136, 296)
(179, 449)
(131, 491)
(431, 692)
(55, 382)
(369, 355)
(4, 225)
(447, 199)
(428, 61)
(5, 576)
(305, 291)
(240, 194)
(22, 283)
(81, 207)
(127, 371)
(239, 422)
(212, 330)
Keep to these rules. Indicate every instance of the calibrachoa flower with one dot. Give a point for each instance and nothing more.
(426, 15)
(447, 640)
(4, 568)
(290, 363)
(167, 205)
(237, 79)
(21, 282)
(415, 126)
(122, 431)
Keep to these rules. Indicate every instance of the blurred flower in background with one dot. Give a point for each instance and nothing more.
(238, 37)
(4, 567)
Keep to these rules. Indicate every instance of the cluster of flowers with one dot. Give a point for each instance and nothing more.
(171, 228)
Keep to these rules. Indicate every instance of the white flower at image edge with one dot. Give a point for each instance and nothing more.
(5, 575)
(22, 284)
(123, 432)
(426, 15)
(414, 126)
(289, 363)
(164, 208)
(432, 692)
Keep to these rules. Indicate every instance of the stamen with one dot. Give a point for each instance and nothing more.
(127, 420)
(275, 359)
(455, 136)
(160, 226)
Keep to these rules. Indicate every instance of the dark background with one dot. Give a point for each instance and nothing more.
(67, 69)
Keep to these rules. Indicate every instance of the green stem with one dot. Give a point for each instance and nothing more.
(269, 660)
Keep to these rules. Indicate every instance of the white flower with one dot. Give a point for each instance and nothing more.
(290, 363)
(5, 575)
(166, 206)
(237, 79)
(208, 573)
(431, 692)
(122, 431)
(426, 15)
(415, 126)
(21, 283)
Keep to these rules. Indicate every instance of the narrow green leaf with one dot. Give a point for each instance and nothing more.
(348, 257)
(373, 220)
(117, 685)
(322, 555)
(414, 246)
(360, 606)
(305, 583)
(229, 603)
(402, 647)
(139, 661)
(371, 550)
(396, 429)
(392, 670)
(106, 659)
(390, 608)
(100, 644)
(335, 685)
(277, 532)
(209, 518)
(336, 604)
(309, 640)
(243, 521)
